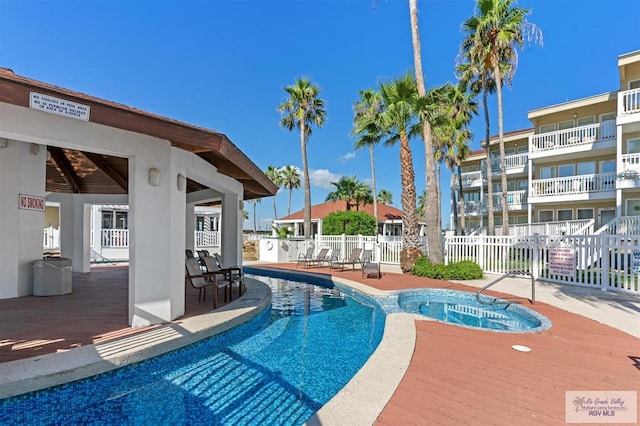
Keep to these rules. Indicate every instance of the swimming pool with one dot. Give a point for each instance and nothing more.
(278, 368)
(461, 308)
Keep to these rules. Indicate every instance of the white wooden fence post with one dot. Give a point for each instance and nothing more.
(481, 243)
(343, 247)
(605, 262)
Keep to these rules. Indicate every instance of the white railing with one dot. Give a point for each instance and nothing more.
(512, 161)
(470, 178)
(574, 136)
(573, 185)
(473, 206)
(514, 198)
(631, 165)
(568, 227)
(51, 238)
(115, 238)
(625, 225)
(629, 102)
(207, 238)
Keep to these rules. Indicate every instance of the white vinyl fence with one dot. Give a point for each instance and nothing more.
(596, 261)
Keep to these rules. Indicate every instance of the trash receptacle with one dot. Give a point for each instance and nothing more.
(52, 276)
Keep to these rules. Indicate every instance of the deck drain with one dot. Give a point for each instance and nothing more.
(521, 348)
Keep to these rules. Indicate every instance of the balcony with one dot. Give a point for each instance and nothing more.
(516, 200)
(583, 138)
(592, 186)
(516, 163)
(629, 102)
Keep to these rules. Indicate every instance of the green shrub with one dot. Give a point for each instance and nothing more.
(463, 270)
(349, 223)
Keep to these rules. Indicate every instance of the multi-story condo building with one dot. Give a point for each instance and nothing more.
(578, 166)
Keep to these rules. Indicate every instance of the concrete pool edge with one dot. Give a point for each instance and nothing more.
(36, 373)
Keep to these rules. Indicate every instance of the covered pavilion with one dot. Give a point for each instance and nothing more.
(62, 146)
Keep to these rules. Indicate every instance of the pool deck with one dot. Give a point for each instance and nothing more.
(448, 374)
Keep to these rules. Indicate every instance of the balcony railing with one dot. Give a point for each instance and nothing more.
(470, 178)
(573, 185)
(512, 162)
(629, 102)
(575, 136)
(115, 238)
(207, 238)
(631, 165)
(514, 198)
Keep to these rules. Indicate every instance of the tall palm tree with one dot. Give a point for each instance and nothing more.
(399, 122)
(291, 181)
(385, 197)
(500, 29)
(433, 228)
(303, 109)
(254, 203)
(275, 175)
(369, 105)
(474, 72)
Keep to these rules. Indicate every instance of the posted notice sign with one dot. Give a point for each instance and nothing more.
(635, 262)
(59, 106)
(31, 202)
(562, 261)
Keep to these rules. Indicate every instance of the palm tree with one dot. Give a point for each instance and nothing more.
(432, 226)
(291, 181)
(363, 194)
(275, 175)
(499, 30)
(474, 72)
(422, 204)
(303, 109)
(399, 122)
(345, 189)
(254, 203)
(385, 197)
(369, 105)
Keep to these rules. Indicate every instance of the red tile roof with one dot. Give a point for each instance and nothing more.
(319, 211)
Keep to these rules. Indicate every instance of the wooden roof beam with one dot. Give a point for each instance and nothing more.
(63, 164)
(106, 168)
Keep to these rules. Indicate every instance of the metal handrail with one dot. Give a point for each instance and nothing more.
(510, 274)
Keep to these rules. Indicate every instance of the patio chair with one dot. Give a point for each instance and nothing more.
(201, 280)
(370, 269)
(305, 257)
(235, 273)
(320, 258)
(188, 253)
(353, 258)
(333, 259)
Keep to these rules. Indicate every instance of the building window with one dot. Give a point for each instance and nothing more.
(548, 172)
(547, 128)
(635, 84)
(565, 215)
(566, 170)
(545, 216)
(585, 213)
(587, 168)
(633, 207)
(585, 121)
(199, 223)
(114, 219)
(521, 220)
(565, 125)
(633, 146)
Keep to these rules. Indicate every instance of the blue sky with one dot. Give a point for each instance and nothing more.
(222, 64)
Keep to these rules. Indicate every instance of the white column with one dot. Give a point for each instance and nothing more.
(190, 226)
(231, 245)
(22, 171)
(156, 246)
(619, 169)
(81, 259)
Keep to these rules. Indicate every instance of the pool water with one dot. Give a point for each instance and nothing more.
(461, 308)
(279, 368)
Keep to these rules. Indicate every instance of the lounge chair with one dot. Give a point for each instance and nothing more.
(353, 258)
(188, 253)
(319, 260)
(201, 280)
(305, 257)
(370, 268)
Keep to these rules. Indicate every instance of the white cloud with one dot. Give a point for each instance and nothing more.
(346, 157)
(323, 178)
